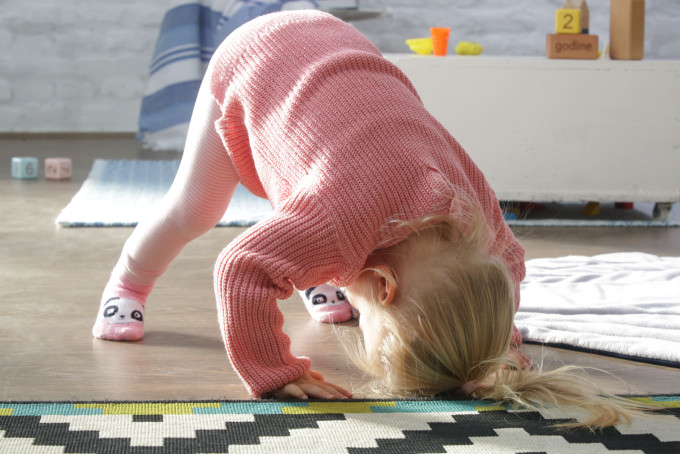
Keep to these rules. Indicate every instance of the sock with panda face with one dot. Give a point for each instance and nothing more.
(121, 313)
(120, 319)
(327, 304)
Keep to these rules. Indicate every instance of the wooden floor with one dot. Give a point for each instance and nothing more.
(51, 280)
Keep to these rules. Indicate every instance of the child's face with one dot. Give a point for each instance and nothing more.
(369, 320)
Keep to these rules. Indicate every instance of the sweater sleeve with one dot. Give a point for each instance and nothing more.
(296, 247)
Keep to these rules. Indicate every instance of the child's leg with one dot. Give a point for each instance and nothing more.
(197, 200)
(327, 304)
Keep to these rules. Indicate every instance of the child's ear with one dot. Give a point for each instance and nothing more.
(387, 288)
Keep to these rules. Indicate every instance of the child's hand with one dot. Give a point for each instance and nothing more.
(312, 385)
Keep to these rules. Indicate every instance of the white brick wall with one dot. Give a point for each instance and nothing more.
(81, 65)
(74, 65)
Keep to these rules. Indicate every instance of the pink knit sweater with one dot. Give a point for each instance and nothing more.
(336, 137)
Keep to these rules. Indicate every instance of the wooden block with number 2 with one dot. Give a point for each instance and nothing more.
(568, 21)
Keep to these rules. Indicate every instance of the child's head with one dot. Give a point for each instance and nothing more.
(436, 310)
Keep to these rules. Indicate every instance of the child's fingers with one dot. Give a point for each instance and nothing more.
(341, 390)
(312, 385)
(316, 375)
(291, 390)
(321, 391)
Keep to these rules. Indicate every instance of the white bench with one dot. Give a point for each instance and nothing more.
(561, 130)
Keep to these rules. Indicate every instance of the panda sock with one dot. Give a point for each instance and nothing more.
(327, 304)
(121, 313)
(120, 319)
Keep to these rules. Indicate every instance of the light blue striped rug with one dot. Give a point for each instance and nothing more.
(121, 192)
(118, 193)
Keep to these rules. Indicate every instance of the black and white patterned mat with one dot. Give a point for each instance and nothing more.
(402, 426)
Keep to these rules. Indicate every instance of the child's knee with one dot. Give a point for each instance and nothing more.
(193, 220)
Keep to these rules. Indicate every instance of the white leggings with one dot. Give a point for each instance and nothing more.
(197, 200)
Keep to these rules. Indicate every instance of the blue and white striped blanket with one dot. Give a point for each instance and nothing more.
(189, 34)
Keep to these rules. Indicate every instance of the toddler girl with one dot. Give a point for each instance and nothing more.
(369, 191)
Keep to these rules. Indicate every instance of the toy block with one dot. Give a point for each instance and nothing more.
(24, 167)
(582, 6)
(627, 29)
(571, 46)
(531, 207)
(568, 21)
(624, 205)
(591, 209)
(58, 168)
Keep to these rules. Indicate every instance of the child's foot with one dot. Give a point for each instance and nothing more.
(327, 304)
(120, 319)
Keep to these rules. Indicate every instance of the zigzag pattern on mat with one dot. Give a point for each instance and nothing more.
(320, 426)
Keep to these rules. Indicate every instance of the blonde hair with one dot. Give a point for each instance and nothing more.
(450, 325)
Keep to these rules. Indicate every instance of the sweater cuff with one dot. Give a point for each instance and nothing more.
(267, 381)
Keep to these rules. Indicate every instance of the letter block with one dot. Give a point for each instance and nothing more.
(24, 168)
(58, 168)
(582, 47)
(568, 21)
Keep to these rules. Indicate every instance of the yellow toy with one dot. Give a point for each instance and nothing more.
(421, 46)
(468, 48)
(591, 209)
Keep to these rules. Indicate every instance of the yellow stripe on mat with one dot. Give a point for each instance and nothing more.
(336, 407)
(657, 403)
(150, 408)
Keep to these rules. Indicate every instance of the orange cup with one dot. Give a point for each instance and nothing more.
(440, 40)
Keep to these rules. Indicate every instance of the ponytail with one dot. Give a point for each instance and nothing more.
(567, 387)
